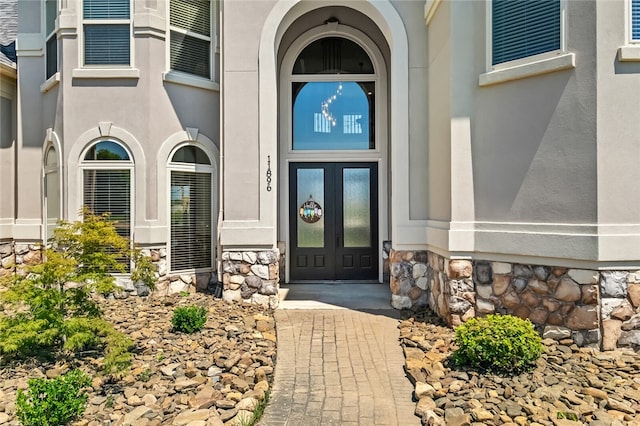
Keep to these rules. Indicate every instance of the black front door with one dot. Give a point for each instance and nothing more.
(334, 221)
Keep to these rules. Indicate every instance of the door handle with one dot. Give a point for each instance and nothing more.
(338, 240)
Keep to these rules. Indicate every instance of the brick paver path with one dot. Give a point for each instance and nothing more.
(339, 367)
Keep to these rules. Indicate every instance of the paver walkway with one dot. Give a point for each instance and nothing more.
(339, 367)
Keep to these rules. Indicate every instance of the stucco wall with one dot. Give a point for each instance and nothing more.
(618, 130)
(534, 139)
(243, 24)
(148, 108)
(411, 13)
(439, 113)
(7, 149)
(513, 164)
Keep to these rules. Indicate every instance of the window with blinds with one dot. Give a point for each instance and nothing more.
(51, 192)
(107, 32)
(51, 52)
(109, 191)
(190, 36)
(191, 242)
(522, 28)
(635, 20)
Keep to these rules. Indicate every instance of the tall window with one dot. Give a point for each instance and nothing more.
(191, 205)
(523, 28)
(337, 111)
(190, 36)
(107, 32)
(107, 183)
(50, 15)
(51, 192)
(635, 20)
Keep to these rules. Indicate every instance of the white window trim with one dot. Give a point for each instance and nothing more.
(630, 52)
(47, 37)
(192, 168)
(186, 79)
(530, 66)
(50, 83)
(191, 80)
(124, 69)
(51, 142)
(109, 165)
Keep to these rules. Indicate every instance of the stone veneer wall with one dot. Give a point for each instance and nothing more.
(251, 276)
(593, 308)
(14, 255)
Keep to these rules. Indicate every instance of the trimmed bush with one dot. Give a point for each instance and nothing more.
(189, 319)
(53, 402)
(500, 343)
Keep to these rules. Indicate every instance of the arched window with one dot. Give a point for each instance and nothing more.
(106, 182)
(51, 186)
(333, 97)
(191, 246)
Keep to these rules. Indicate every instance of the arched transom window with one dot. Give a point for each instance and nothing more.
(333, 89)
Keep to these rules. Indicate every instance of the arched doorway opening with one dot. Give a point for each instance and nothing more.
(333, 151)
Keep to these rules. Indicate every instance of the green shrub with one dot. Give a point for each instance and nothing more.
(500, 343)
(53, 402)
(52, 307)
(189, 319)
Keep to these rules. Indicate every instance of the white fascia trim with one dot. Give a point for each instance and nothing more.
(67, 24)
(187, 80)
(430, 8)
(27, 229)
(9, 71)
(51, 82)
(629, 53)
(149, 24)
(542, 66)
(105, 73)
(243, 233)
(30, 44)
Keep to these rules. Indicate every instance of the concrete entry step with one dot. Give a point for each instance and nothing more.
(338, 295)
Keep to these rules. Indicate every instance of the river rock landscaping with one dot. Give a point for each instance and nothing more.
(216, 376)
(569, 386)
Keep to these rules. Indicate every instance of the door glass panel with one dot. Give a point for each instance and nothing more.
(357, 207)
(310, 186)
(333, 115)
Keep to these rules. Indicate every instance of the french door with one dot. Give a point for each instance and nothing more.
(333, 217)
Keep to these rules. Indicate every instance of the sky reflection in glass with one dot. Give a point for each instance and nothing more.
(332, 116)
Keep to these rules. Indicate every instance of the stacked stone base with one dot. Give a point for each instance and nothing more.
(14, 256)
(594, 308)
(251, 277)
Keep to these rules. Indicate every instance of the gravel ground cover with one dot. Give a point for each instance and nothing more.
(569, 386)
(216, 376)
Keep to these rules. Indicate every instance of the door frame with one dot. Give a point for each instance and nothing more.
(333, 213)
(379, 155)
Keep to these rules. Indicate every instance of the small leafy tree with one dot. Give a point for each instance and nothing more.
(51, 304)
(53, 402)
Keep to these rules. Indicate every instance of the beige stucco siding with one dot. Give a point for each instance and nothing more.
(534, 139)
(243, 24)
(411, 13)
(439, 116)
(618, 136)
